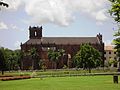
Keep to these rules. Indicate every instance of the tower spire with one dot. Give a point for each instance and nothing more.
(35, 32)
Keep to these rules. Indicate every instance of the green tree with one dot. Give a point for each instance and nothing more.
(3, 4)
(7, 54)
(112, 62)
(54, 55)
(2, 61)
(115, 13)
(115, 10)
(18, 56)
(87, 57)
(11, 58)
(34, 56)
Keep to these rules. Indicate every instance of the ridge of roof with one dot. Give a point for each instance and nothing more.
(63, 40)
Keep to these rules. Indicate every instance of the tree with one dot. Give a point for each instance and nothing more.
(3, 4)
(87, 57)
(54, 55)
(112, 62)
(34, 56)
(18, 56)
(2, 61)
(115, 10)
(115, 13)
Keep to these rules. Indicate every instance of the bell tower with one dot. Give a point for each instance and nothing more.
(35, 32)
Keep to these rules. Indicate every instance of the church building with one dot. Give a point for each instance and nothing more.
(71, 45)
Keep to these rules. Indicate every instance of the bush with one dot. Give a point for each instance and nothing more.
(15, 78)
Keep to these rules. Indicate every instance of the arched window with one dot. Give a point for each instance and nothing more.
(35, 33)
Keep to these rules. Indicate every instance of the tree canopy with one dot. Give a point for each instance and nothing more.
(54, 55)
(115, 10)
(11, 59)
(87, 57)
(2, 61)
(34, 56)
(3, 4)
(115, 13)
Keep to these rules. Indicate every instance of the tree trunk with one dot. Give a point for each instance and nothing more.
(2, 72)
(89, 70)
(55, 65)
(32, 64)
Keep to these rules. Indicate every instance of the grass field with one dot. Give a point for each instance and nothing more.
(62, 83)
(58, 72)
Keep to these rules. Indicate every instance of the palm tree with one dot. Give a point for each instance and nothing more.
(34, 56)
(55, 55)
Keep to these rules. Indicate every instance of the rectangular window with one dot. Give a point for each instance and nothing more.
(109, 52)
(115, 58)
(104, 58)
(104, 52)
(46, 48)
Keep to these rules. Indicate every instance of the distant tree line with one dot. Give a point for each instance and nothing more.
(87, 58)
(9, 59)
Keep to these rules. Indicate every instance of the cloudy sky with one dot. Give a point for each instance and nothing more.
(61, 18)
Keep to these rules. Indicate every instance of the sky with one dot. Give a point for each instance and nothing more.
(59, 18)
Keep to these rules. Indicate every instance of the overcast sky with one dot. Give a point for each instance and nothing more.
(59, 18)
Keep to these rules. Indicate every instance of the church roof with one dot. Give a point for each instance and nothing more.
(109, 48)
(64, 40)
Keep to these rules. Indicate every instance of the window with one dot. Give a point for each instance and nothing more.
(109, 52)
(104, 58)
(35, 33)
(115, 58)
(104, 52)
(114, 52)
(46, 48)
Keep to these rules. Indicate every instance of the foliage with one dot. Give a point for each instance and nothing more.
(12, 59)
(34, 55)
(3, 4)
(65, 67)
(112, 62)
(87, 57)
(54, 55)
(44, 67)
(115, 10)
(2, 61)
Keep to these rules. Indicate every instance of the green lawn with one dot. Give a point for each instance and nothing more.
(62, 83)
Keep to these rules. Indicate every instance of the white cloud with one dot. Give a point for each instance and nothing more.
(99, 23)
(17, 45)
(62, 11)
(14, 27)
(13, 4)
(100, 15)
(3, 26)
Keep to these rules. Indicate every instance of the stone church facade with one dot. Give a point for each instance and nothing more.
(71, 45)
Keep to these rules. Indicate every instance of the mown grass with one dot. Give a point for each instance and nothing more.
(62, 83)
(58, 72)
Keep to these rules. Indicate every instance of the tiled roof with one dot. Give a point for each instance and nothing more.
(64, 40)
(110, 47)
